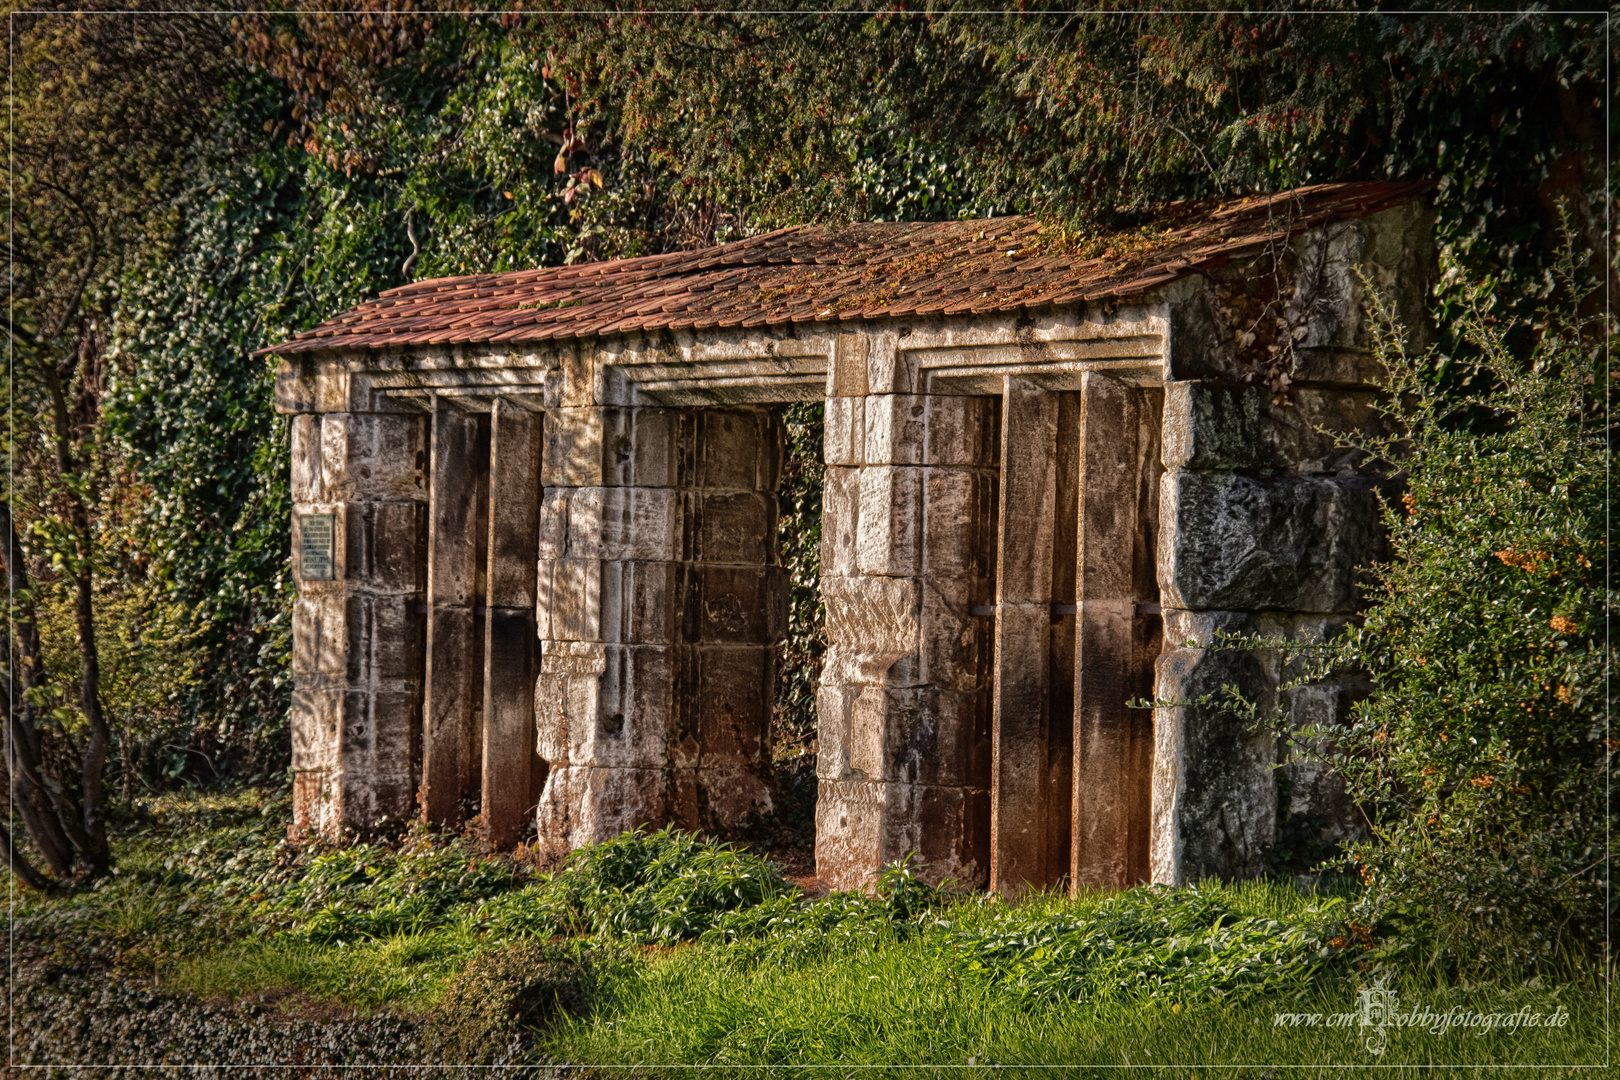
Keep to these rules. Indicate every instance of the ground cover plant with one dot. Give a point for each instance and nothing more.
(663, 949)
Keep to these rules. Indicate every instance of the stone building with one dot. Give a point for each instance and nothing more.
(535, 535)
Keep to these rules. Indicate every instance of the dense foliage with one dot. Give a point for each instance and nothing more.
(1484, 753)
(869, 112)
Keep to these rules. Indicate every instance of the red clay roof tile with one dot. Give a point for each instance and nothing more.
(872, 270)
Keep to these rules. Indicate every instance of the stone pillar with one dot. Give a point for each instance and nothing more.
(908, 554)
(452, 737)
(1021, 811)
(660, 603)
(1265, 528)
(510, 784)
(359, 530)
(1116, 633)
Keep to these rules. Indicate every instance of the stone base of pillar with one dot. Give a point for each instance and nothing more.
(586, 805)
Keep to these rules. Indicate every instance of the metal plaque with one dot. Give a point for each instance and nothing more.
(315, 547)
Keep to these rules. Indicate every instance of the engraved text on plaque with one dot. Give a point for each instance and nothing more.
(315, 547)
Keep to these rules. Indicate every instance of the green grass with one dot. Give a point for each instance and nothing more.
(895, 1003)
(406, 972)
(729, 969)
(901, 1007)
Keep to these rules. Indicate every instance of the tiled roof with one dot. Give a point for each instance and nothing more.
(811, 273)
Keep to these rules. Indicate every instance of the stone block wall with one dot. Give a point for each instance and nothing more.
(1268, 526)
(357, 637)
(908, 552)
(556, 587)
(660, 601)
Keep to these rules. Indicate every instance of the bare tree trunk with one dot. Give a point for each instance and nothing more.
(20, 866)
(127, 765)
(93, 773)
(47, 812)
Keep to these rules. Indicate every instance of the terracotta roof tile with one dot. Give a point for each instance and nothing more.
(872, 270)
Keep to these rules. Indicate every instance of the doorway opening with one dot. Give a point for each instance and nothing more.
(800, 653)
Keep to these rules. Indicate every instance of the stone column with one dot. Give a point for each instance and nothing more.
(510, 784)
(452, 746)
(660, 603)
(359, 487)
(1265, 530)
(908, 553)
(1115, 641)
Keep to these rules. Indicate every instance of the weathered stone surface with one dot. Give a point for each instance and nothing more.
(1337, 368)
(737, 449)
(1230, 542)
(847, 374)
(945, 826)
(936, 737)
(1113, 744)
(959, 431)
(304, 439)
(954, 645)
(660, 606)
(1214, 795)
(872, 621)
(585, 805)
(1020, 791)
(568, 599)
(840, 520)
(1306, 435)
(510, 767)
(849, 833)
(890, 370)
(590, 600)
(958, 526)
(895, 428)
(1317, 801)
(315, 746)
(1337, 263)
(319, 635)
(380, 645)
(614, 523)
(574, 450)
(1209, 427)
(730, 699)
(716, 799)
(844, 431)
(731, 527)
(888, 526)
(605, 706)
(359, 665)
(834, 704)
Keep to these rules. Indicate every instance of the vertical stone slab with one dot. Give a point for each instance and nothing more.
(908, 571)
(359, 537)
(454, 676)
(659, 601)
(509, 629)
(1061, 639)
(1019, 797)
(1112, 746)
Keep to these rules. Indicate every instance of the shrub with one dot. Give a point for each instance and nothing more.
(1482, 756)
(1181, 943)
(797, 929)
(371, 891)
(659, 888)
(506, 992)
